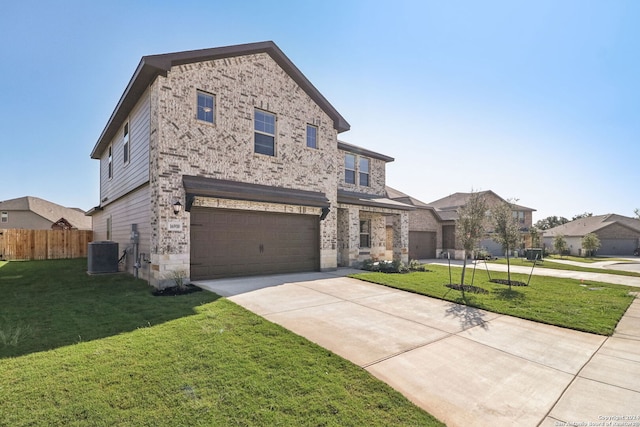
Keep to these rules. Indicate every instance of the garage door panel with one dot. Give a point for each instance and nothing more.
(230, 243)
(617, 246)
(422, 244)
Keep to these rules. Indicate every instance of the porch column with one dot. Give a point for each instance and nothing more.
(401, 237)
(348, 236)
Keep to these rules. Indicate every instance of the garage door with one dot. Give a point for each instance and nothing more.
(422, 244)
(227, 243)
(617, 246)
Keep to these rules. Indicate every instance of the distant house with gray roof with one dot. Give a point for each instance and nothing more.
(447, 209)
(618, 234)
(34, 213)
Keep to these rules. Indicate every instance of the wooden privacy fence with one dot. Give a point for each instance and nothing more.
(43, 244)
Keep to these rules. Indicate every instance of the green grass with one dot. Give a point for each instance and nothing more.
(547, 263)
(590, 307)
(102, 351)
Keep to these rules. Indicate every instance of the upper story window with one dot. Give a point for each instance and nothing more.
(312, 135)
(4, 216)
(110, 163)
(364, 171)
(519, 216)
(206, 107)
(265, 133)
(125, 146)
(350, 168)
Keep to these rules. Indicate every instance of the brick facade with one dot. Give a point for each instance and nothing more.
(242, 79)
(225, 149)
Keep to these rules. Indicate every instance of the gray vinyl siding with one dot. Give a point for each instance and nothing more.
(26, 220)
(134, 208)
(131, 175)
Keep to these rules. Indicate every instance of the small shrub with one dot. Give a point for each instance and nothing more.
(384, 266)
(482, 254)
(177, 276)
(414, 265)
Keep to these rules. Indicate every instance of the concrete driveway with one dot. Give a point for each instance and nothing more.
(465, 366)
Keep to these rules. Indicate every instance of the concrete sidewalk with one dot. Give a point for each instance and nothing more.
(541, 271)
(463, 365)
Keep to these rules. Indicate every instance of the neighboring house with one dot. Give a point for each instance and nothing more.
(618, 234)
(447, 210)
(241, 141)
(34, 213)
(425, 228)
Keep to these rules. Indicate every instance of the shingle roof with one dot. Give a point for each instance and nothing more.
(394, 194)
(152, 66)
(48, 210)
(592, 224)
(456, 200)
(363, 151)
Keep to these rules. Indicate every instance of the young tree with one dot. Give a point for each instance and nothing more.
(506, 231)
(582, 215)
(535, 237)
(559, 244)
(470, 226)
(637, 212)
(590, 243)
(550, 222)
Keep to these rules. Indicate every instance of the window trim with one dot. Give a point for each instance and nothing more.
(367, 173)
(366, 233)
(126, 143)
(109, 227)
(315, 136)
(4, 216)
(264, 132)
(346, 169)
(110, 162)
(213, 107)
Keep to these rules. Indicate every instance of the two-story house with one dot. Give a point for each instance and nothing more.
(226, 162)
(447, 209)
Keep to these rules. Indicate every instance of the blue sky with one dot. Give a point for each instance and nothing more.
(537, 100)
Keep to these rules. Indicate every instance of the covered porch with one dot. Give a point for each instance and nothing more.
(371, 227)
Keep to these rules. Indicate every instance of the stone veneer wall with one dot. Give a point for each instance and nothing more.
(349, 250)
(182, 145)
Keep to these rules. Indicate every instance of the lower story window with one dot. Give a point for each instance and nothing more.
(109, 228)
(365, 233)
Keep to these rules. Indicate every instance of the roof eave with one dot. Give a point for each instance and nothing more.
(364, 152)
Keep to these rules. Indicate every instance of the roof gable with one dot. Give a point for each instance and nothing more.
(154, 65)
(457, 200)
(50, 211)
(592, 224)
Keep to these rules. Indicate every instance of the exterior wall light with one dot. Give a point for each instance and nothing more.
(177, 208)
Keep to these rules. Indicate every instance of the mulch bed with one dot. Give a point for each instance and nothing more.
(467, 288)
(176, 290)
(506, 282)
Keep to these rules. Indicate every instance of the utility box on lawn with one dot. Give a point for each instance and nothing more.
(532, 253)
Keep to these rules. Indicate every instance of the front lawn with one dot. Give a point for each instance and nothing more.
(102, 351)
(591, 307)
(548, 263)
